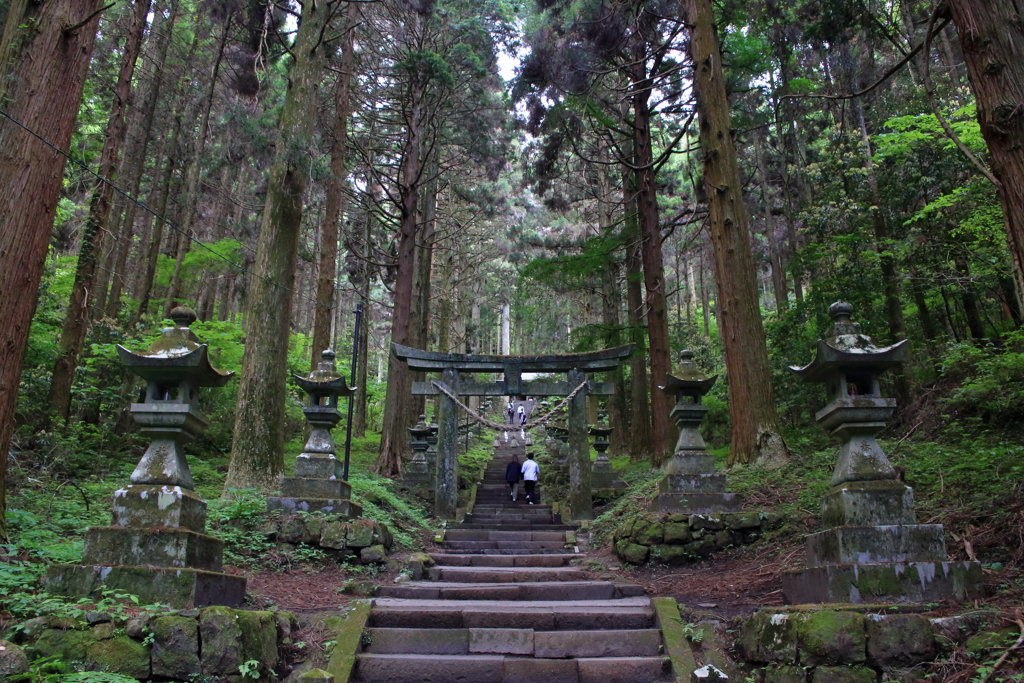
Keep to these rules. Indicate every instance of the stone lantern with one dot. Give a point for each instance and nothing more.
(603, 482)
(318, 484)
(691, 484)
(417, 472)
(156, 546)
(432, 446)
(872, 548)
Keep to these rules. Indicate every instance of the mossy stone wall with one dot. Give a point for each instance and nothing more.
(662, 538)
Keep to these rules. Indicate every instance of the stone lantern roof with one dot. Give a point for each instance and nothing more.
(847, 347)
(176, 355)
(691, 381)
(325, 380)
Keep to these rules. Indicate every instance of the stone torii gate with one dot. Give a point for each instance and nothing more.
(452, 365)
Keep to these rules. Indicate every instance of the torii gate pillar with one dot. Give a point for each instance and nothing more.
(580, 500)
(446, 496)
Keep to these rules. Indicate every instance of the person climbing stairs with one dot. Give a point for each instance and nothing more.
(506, 602)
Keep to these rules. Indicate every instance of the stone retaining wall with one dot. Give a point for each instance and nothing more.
(660, 538)
(840, 646)
(189, 645)
(362, 538)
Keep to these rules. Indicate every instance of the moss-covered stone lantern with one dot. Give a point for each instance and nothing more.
(418, 474)
(603, 482)
(318, 484)
(691, 484)
(156, 546)
(872, 549)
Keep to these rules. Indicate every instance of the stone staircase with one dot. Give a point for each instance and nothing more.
(504, 603)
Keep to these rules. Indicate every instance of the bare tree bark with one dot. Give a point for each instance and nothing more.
(991, 35)
(755, 426)
(42, 72)
(257, 452)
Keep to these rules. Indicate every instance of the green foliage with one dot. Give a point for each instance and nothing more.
(991, 380)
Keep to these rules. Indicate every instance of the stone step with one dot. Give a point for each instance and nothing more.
(513, 641)
(503, 545)
(509, 505)
(403, 668)
(517, 526)
(459, 534)
(540, 590)
(560, 550)
(504, 574)
(540, 615)
(551, 560)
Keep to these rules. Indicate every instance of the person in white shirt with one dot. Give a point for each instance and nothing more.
(531, 470)
(522, 414)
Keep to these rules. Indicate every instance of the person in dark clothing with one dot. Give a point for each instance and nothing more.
(511, 411)
(513, 473)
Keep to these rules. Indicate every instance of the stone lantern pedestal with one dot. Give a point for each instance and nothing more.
(872, 550)
(319, 484)
(418, 474)
(603, 482)
(691, 483)
(156, 547)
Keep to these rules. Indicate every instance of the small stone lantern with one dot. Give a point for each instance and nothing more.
(603, 482)
(432, 447)
(417, 471)
(872, 549)
(691, 484)
(318, 484)
(156, 546)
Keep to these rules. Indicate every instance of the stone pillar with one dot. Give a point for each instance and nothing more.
(446, 481)
(603, 481)
(579, 451)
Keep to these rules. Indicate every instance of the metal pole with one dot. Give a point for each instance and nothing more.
(352, 379)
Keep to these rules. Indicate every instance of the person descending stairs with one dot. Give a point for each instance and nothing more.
(504, 602)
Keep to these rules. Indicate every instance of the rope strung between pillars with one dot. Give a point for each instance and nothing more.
(504, 427)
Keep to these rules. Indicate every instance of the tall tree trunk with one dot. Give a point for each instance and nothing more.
(970, 302)
(992, 36)
(394, 436)
(654, 271)
(362, 364)
(42, 72)
(419, 311)
(755, 426)
(257, 452)
(138, 142)
(335, 190)
(192, 182)
(778, 271)
(76, 321)
(641, 439)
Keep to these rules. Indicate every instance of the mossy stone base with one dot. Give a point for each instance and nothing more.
(175, 647)
(696, 503)
(692, 483)
(180, 588)
(178, 548)
(877, 545)
(900, 582)
(868, 503)
(318, 466)
(139, 505)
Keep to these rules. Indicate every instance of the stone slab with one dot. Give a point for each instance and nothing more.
(304, 487)
(430, 668)
(589, 618)
(696, 503)
(692, 483)
(624, 670)
(507, 641)
(343, 508)
(178, 548)
(515, 617)
(180, 588)
(506, 574)
(318, 466)
(611, 643)
(539, 671)
(868, 503)
(148, 506)
(877, 545)
(416, 641)
(910, 582)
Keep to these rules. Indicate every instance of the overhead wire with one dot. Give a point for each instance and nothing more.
(142, 205)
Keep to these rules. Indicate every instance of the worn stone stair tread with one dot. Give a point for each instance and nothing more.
(505, 526)
(503, 545)
(629, 603)
(540, 590)
(448, 574)
(475, 560)
(403, 668)
(458, 534)
(513, 641)
(554, 550)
